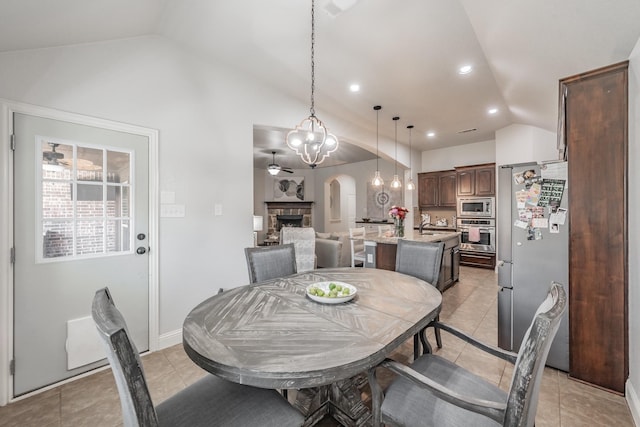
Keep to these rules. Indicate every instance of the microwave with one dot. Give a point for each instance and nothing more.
(476, 207)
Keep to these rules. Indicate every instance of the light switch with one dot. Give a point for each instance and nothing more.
(217, 209)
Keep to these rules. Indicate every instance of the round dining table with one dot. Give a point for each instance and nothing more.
(272, 335)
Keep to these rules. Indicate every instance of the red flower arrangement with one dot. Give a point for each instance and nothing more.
(398, 212)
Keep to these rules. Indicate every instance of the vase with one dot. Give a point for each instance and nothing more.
(399, 227)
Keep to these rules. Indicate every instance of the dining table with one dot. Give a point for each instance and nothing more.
(273, 335)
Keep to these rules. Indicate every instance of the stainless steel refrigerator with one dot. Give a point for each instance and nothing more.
(533, 250)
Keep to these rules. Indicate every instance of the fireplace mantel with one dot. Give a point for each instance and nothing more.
(288, 205)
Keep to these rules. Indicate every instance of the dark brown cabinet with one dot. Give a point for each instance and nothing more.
(595, 131)
(437, 189)
(479, 180)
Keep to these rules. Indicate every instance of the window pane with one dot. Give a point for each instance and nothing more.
(117, 201)
(57, 239)
(118, 167)
(89, 237)
(56, 200)
(57, 160)
(118, 236)
(89, 164)
(89, 202)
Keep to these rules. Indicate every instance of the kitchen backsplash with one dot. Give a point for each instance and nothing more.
(436, 215)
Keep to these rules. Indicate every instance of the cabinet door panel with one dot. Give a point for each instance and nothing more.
(447, 183)
(428, 190)
(466, 183)
(485, 182)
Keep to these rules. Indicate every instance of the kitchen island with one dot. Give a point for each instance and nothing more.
(381, 252)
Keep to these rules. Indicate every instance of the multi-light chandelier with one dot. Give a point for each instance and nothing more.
(310, 139)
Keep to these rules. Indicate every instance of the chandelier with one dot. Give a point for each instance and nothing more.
(310, 139)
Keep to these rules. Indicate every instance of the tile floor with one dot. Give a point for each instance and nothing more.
(469, 305)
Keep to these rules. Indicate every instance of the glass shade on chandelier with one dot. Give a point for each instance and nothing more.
(310, 139)
(396, 183)
(377, 180)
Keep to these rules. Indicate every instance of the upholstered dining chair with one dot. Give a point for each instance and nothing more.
(436, 392)
(269, 262)
(357, 245)
(209, 401)
(304, 241)
(421, 260)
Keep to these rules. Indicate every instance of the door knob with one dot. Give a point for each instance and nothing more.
(141, 250)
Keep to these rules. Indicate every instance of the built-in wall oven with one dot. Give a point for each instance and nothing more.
(477, 234)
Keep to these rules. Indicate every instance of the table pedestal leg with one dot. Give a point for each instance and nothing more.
(341, 400)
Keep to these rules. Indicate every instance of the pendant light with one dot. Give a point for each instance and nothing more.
(377, 179)
(311, 140)
(396, 183)
(410, 185)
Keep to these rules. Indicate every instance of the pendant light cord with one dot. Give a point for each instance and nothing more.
(313, 65)
(395, 119)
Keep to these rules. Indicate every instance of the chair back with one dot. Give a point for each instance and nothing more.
(304, 241)
(269, 262)
(420, 259)
(137, 406)
(522, 403)
(357, 242)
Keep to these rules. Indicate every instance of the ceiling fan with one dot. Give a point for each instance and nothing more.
(274, 168)
(52, 156)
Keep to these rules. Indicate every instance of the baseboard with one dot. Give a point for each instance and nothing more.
(633, 402)
(170, 339)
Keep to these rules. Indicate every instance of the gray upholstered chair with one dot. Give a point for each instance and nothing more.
(304, 241)
(436, 392)
(269, 262)
(357, 245)
(421, 260)
(209, 401)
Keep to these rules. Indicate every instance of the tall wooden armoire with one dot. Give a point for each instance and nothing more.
(595, 114)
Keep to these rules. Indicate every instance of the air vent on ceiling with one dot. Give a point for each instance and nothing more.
(467, 130)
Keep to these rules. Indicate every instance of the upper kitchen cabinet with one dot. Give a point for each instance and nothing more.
(478, 180)
(437, 189)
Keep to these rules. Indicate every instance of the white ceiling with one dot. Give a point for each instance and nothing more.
(404, 54)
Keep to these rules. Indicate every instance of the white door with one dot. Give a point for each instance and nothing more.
(81, 223)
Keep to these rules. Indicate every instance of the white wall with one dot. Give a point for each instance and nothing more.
(633, 384)
(461, 155)
(524, 143)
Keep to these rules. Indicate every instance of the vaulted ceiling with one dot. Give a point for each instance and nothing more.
(405, 55)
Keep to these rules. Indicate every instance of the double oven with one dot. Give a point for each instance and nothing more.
(476, 222)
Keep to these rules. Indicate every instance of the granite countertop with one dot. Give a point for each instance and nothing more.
(437, 227)
(410, 234)
(375, 221)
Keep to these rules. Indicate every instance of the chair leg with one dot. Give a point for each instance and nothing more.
(436, 331)
(376, 398)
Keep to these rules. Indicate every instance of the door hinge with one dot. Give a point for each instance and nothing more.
(12, 367)
(13, 142)
(12, 256)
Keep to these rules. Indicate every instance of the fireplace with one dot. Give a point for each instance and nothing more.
(287, 214)
(288, 221)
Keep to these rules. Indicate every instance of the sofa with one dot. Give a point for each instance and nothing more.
(333, 250)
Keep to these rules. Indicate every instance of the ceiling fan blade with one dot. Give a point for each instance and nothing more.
(286, 170)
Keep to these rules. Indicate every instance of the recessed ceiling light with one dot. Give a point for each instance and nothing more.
(431, 134)
(354, 87)
(465, 69)
(492, 110)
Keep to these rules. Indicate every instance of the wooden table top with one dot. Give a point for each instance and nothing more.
(272, 335)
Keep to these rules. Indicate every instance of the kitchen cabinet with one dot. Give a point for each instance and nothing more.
(449, 271)
(437, 189)
(477, 180)
(594, 112)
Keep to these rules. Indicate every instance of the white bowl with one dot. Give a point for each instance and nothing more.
(329, 300)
